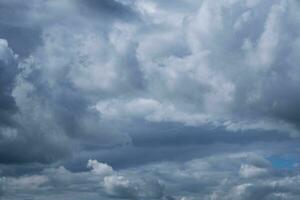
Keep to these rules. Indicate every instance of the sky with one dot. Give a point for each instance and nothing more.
(149, 99)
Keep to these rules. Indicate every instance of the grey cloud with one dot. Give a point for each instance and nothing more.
(8, 68)
(167, 93)
(90, 76)
(241, 76)
(54, 103)
(100, 182)
(111, 9)
(23, 40)
(206, 178)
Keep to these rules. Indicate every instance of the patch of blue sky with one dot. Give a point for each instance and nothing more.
(283, 161)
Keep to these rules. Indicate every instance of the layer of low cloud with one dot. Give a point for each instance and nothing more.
(237, 176)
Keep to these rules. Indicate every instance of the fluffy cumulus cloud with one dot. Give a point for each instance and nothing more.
(179, 100)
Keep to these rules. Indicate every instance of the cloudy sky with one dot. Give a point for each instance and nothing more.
(149, 99)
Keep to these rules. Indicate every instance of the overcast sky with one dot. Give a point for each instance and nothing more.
(149, 99)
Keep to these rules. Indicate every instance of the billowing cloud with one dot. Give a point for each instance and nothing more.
(178, 99)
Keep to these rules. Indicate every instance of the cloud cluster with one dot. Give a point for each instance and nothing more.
(89, 78)
(238, 176)
(165, 92)
(100, 182)
(207, 67)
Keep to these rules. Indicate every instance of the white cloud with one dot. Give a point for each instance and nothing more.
(269, 42)
(119, 186)
(249, 171)
(99, 168)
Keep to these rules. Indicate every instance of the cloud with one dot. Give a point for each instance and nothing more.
(99, 168)
(104, 182)
(242, 176)
(133, 68)
(234, 73)
(251, 171)
(179, 100)
(8, 68)
(121, 187)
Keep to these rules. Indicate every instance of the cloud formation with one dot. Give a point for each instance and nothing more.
(208, 178)
(178, 99)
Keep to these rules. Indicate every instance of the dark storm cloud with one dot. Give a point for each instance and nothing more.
(110, 9)
(22, 40)
(8, 71)
(22, 34)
